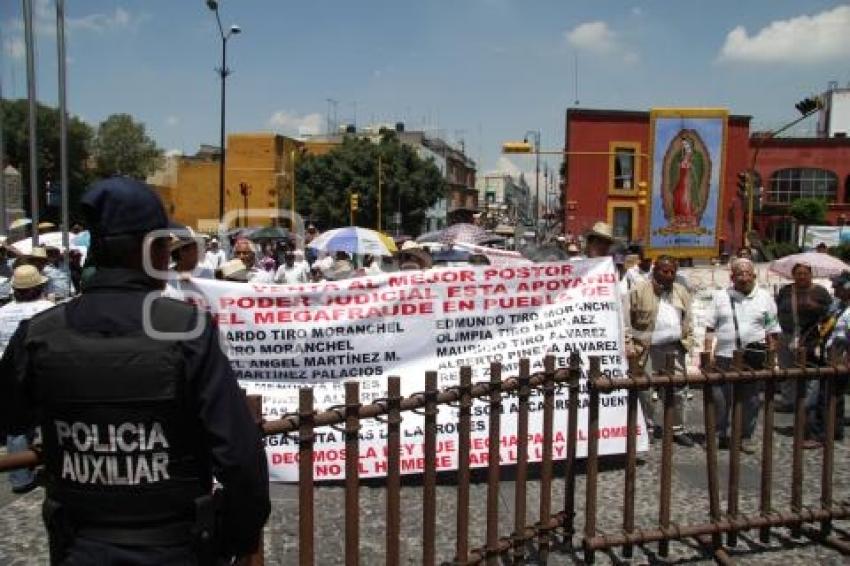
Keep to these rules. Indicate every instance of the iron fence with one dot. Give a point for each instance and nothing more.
(520, 539)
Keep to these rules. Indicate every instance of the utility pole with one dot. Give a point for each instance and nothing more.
(380, 188)
(63, 129)
(31, 96)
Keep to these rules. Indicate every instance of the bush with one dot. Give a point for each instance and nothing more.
(841, 251)
(809, 211)
(781, 249)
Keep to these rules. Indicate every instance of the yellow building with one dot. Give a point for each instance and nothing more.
(262, 163)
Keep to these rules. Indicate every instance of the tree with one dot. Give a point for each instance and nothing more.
(122, 147)
(16, 142)
(808, 211)
(410, 184)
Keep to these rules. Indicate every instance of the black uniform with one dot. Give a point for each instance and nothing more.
(135, 427)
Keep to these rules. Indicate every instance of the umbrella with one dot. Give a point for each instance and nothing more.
(354, 240)
(270, 233)
(430, 236)
(47, 240)
(469, 233)
(83, 239)
(20, 223)
(823, 265)
(542, 254)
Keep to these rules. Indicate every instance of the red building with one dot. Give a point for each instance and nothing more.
(607, 161)
(607, 164)
(793, 168)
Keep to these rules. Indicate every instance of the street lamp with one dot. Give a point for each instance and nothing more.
(223, 71)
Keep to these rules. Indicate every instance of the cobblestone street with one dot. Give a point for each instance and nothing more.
(22, 540)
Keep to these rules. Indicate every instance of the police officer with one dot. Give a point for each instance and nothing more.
(136, 425)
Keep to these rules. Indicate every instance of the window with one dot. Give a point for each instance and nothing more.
(782, 230)
(623, 223)
(490, 197)
(624, 168)
(788, 185)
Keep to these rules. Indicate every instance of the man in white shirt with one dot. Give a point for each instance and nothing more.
(247, 252)
(660, 323)
(741, 318)
(290, 272)
(641, 271)
(28, 287)
(214, 258)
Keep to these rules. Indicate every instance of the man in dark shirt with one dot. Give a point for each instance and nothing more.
(136, 424)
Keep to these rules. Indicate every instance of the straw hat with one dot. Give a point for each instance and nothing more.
(38, 252)
(410, 245)
(27, 277)
(234, 270)
(602, 230)
(46, 225)
(181, 237)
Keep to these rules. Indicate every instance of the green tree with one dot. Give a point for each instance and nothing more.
(410, 184)
(122, 147)
(807, 212)
(16, 142)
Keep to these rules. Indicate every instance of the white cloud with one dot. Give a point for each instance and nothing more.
(599, 39)
(172, 120)
(293, 124)
(596, 37)
(804, 39)
(14, 47)
(174, 153)
(119, 19)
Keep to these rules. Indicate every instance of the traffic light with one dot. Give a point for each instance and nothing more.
(808, 105)
(355, 201)
(516, 147)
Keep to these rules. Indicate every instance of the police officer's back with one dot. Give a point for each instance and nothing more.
(135, 426)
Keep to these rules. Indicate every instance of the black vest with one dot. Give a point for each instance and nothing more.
(122, 443)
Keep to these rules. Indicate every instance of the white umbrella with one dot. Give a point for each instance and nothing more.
(48, 240)
(823, 265)
(354, 241)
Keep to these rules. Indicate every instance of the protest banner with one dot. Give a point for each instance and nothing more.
(280, 338)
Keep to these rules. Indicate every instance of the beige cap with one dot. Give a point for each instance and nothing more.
(572, 248)
(234, 270)
(602, 230)
(38, 252)
(410, 245)
(27, 277)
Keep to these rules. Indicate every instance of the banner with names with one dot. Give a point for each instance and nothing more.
(281, 338)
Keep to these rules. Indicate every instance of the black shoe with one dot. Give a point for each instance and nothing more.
(683, 439)
(21, 490)
(723, 443)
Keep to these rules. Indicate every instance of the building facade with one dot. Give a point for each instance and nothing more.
(607, 173)
(259, 174)
(789, 169)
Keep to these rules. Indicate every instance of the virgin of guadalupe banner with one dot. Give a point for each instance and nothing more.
(687, 172)
(280, 338)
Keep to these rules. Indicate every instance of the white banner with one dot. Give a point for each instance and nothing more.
(280, 338)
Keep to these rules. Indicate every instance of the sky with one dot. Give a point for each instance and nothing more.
(478, 71)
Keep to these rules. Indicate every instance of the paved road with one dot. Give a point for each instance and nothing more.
(22, 541)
